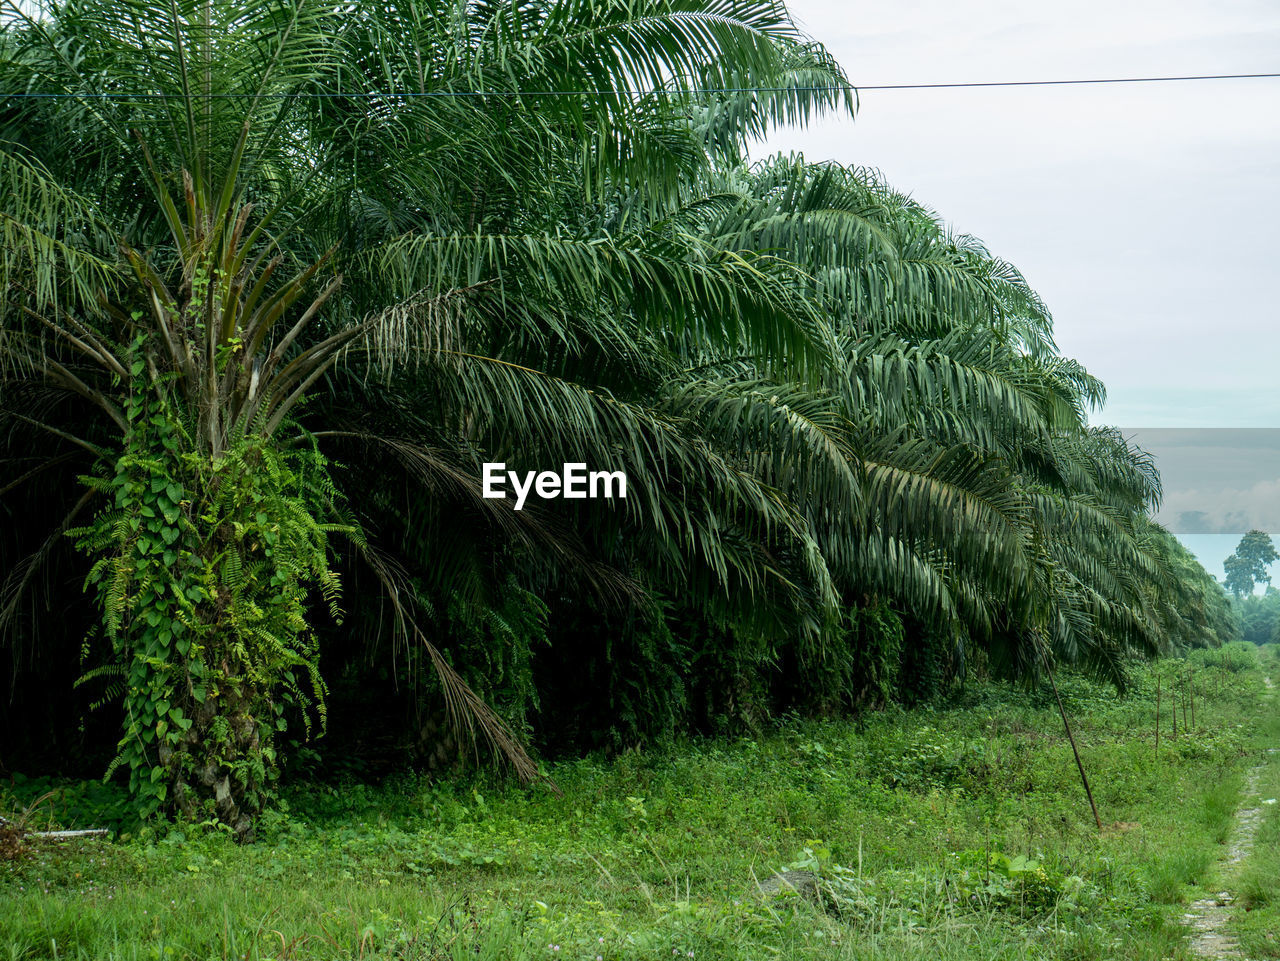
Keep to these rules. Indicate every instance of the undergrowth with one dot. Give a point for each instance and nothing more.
(952, 831)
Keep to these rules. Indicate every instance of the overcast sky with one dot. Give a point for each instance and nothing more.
(1145, 215)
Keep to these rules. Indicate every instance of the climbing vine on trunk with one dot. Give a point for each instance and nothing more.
(205, 568)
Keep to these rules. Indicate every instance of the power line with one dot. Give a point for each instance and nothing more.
(828, 88)
(1080, 82)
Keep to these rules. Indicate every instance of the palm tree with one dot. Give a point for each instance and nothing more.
(213, 213)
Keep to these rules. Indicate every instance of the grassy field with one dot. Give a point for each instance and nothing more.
(951, 832)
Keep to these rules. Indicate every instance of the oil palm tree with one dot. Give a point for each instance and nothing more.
(214, 213)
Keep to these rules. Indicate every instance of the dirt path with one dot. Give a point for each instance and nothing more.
(1207, 917)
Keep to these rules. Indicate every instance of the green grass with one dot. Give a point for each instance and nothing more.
(952, 832)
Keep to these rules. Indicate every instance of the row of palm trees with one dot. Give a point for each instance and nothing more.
(362, 249)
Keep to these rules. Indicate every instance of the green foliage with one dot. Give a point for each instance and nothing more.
(1234, 658)
(1260, 617)
(858, 666)
(493, 646)
(1204, 614)
(204, 570)
(650, 697)
(927, 665)
(70, 803)
(617, 682)
(972, 882)
(938, 759)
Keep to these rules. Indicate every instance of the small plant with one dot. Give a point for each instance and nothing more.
(13, 829)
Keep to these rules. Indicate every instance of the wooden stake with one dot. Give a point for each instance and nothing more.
(1183, 699)
(1157, 717)
(1067, 725)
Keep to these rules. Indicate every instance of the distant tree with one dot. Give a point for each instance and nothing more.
(1248, 565)
(1239, 579)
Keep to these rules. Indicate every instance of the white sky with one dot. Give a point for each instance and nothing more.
(1145, 215)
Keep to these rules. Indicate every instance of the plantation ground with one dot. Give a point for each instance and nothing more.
(950, 832)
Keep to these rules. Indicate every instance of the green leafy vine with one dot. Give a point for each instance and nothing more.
(205, 570)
